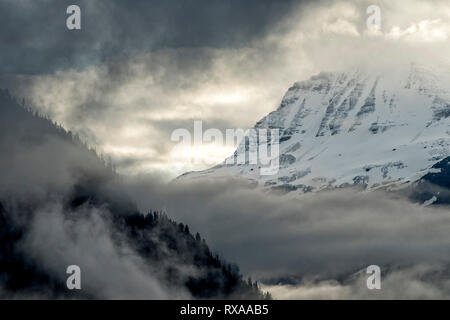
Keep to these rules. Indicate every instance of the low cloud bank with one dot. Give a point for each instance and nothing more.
(416, 282)
(321, 236)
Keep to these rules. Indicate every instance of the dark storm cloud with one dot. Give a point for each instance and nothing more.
(35, 39)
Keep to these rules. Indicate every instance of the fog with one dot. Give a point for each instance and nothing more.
(322, 233)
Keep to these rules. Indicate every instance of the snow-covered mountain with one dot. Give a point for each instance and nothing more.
(373, 129)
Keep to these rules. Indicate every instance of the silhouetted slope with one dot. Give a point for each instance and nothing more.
(434, 187)
(440, 176)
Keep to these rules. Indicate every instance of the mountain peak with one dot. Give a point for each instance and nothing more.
(355, 128)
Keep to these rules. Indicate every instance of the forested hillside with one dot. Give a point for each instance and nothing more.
(61, 204)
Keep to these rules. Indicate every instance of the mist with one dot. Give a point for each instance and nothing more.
(312, 238)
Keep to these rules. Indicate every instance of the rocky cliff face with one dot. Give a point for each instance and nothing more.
(372, 129)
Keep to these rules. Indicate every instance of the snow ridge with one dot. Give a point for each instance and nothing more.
(355, 128)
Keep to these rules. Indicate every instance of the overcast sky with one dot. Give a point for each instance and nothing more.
(39, 42)
(138, 70)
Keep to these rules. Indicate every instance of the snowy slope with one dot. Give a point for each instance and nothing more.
(341, 129)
